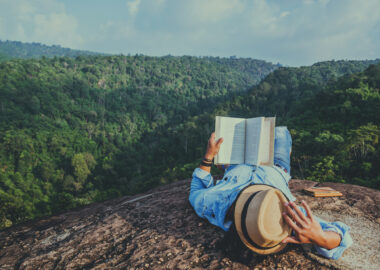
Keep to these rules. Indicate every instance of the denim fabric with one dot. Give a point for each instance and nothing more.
(282, 148)
(213, 201)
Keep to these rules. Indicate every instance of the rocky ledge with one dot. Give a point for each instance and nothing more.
(160, 230)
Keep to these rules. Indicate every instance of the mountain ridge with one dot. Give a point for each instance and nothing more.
(84, 129)
(27, 50)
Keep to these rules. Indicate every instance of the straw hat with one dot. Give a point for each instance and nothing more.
(258, 218)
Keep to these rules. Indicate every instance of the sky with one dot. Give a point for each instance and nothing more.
(289, 32)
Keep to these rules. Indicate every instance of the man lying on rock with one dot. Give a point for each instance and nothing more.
(257, 200)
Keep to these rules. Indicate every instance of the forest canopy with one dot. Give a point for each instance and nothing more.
(72, 131)
(79, 130)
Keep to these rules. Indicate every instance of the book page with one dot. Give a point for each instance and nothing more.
(254, 126)
(266, 150)
(232, 130)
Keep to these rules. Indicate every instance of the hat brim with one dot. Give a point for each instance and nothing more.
(241, 200)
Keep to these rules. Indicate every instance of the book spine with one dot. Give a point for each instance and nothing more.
(260, 140)
(217, 135)
(272, 131)
(245, 139)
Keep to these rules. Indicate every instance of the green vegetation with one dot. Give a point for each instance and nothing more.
(334, 122)
(74, 131)
(3, 57)
(337, 132)
(17, 49)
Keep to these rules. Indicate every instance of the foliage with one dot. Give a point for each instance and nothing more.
(334, 124)
(74, 131)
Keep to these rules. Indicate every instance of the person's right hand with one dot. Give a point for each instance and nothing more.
(307, 229)
(213, 147)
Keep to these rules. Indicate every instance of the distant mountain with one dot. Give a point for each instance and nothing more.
(282, 89)
(66, 123)
(334, 121)
(84, 129)
(17, 49)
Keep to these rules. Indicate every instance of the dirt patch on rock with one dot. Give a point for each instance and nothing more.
(160, 230)
(365, 251)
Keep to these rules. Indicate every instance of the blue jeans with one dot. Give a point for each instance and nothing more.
(282, 148)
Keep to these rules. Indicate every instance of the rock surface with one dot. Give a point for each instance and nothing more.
(160, 230)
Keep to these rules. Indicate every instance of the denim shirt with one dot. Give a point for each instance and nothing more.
(213, 201)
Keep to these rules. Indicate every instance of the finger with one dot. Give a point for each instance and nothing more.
(219, 142)
(290, 222)
(291, 239)
(294, 215)
(298, 211)
(211, 140)
(308, 210)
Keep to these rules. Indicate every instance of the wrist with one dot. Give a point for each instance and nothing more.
(331, 239)
(321, 240)
(209, 156)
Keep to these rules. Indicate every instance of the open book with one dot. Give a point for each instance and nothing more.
(249, 141)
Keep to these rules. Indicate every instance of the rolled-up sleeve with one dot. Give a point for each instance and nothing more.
(340, 228)
(201, 181)
(346, 240)
(201, 177)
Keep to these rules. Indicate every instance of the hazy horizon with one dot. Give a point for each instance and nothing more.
(292, 33)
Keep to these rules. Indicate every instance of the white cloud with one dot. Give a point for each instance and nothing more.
(56, 28)
(44, 21)
(337, 30)
(117, 31)
(290, 32)
(211, 11)
(284, 14)
(20, 31)
(133, 7)
(265, 19)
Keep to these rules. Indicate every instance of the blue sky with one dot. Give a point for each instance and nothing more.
(292, 32)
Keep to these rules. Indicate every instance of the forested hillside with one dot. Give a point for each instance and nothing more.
(16, 49)
(74, 131)
(3, 57)
(334, 122)
(335, 128)
(337, 132)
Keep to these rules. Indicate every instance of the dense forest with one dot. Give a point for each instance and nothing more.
(78, 130)
(74, 131)
(16, 49)
(333, 120)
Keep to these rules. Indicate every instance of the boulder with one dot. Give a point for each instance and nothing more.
(160, 230)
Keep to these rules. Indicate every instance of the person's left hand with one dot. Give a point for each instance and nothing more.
(306, 228)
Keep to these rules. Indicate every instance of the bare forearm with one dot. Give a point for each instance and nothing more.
(329, 240)
(307, 228)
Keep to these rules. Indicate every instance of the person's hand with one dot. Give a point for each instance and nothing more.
(213, 147)
(307, 229)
